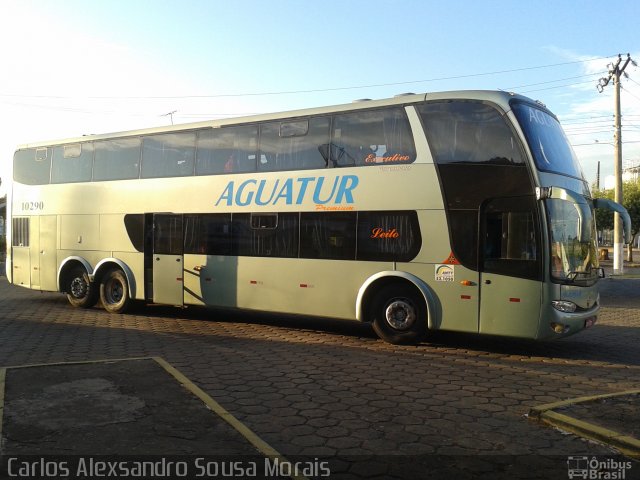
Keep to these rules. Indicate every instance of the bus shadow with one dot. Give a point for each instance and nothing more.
(300, 323)
(601, 344)
(612, 344)
(604, 343)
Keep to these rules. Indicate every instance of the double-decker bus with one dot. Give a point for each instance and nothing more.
(463, 211)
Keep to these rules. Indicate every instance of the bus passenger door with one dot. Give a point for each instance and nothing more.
(43, 253)
(510, 277)
(47, 254)
(167, 260)
(34, 252)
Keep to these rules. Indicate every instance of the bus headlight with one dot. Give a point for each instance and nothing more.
(564, 306)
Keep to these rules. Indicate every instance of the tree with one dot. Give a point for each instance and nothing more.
(604, 217)
(630, 201)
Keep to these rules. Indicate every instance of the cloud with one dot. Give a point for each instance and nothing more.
(588, 117)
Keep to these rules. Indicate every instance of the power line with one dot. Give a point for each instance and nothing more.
(629, 93)
(582, 122)
(551, 81)
(125, 114)
(319, 90)
(589, 132)
(588, 128)
(602, 143)
(631, 79)
(558, 86)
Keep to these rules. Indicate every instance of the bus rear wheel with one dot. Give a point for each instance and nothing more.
(114, 291)
(399, 314)
(80, 291)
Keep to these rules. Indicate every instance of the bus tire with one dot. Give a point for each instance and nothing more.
(114, 291)
(80, 291)
(399, 314)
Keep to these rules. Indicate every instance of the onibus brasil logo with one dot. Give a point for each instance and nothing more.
(594, 468)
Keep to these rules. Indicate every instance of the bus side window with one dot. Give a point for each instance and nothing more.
(308, 152)
(226, 150)
(252, 240)
(32, 166)
(168, 155)
(388, 236)
(167, 235)
(207, 234)
(293, 144)
(72, 163)
(372, 137)
(328, 235)
(352, 137)
(511, 238)
(117, 159)
(469, 132)
(271, 159)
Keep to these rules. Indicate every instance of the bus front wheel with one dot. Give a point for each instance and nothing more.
(114, 291)
(399, 314)
(80, 291)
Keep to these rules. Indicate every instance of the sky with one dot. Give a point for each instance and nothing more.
(71, 68)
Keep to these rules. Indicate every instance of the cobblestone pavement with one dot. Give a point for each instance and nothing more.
(319, 388)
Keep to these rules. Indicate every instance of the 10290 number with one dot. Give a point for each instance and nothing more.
(31, 206)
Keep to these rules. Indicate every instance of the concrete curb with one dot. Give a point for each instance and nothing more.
(626, 444)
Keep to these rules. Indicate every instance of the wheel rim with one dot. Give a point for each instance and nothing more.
(400, 314)
(114, 292)
(78, 287)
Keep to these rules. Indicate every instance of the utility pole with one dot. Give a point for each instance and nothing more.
(618, 243)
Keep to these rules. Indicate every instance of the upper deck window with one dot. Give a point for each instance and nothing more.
(469, 132)
(361, 138)
(168, 155)
(32, 166)
(227, 150)
(72, 163)
(117, 159)
(372, 137)
(547, 141)
(293, 145)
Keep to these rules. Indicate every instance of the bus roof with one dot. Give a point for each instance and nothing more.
(495, 96)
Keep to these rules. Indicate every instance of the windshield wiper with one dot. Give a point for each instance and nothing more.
(571, 276)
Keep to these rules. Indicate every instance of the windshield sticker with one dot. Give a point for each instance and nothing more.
(445, 273)
(291, 191)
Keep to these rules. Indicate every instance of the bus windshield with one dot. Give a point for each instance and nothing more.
(573, 242)
(547, 141)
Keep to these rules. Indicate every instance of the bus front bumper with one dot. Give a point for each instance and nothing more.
(561, 324)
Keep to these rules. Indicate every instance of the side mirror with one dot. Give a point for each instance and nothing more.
(600, 272)
(616, 207)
